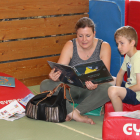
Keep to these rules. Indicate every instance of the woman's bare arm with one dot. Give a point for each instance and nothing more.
(64, 58)
(105, 54)
(66, 53)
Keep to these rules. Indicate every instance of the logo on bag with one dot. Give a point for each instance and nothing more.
(127, 129)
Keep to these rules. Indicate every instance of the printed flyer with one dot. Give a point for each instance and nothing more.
(12, 111)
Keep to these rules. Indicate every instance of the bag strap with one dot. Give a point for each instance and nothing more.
(71, 101)
(54, 90)
(65, 87)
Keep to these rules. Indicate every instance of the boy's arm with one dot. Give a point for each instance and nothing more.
(119, 78)
(137, 86)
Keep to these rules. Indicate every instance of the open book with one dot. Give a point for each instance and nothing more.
(79, 74)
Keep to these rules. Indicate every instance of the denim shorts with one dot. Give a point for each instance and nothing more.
(130, 97)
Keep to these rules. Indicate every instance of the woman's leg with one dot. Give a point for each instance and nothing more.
(75, 115)
(97, 98)
(92, 101)
(78, 94)
(48, 84)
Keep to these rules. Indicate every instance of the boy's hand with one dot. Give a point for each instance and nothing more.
(54, 75)
(90, 85)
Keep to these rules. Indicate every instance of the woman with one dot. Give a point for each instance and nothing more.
(84, 48)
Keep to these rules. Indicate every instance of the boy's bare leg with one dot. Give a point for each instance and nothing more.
(116, 95)
(75, 115)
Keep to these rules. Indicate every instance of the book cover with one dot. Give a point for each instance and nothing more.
(7, 81)
(95, 71)
(68, 74)
(77, 75)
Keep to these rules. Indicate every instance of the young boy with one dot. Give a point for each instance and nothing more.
(126, 92)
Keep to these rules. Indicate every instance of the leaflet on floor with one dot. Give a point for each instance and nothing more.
(12, 111)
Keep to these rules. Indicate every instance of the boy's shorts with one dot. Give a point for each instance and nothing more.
(130, 97)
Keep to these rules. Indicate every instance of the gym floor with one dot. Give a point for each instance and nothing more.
(30, 129)
(72, 130)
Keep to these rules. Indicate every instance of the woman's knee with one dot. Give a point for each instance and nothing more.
(48, 84)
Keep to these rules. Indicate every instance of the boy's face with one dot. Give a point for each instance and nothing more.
(124, 46)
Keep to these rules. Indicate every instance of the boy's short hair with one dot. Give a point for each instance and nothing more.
(85, 22)
(128, 32)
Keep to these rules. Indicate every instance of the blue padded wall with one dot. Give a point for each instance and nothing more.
(108, 16)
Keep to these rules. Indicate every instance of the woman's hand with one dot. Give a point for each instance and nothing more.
(90, 85)
(54, 75)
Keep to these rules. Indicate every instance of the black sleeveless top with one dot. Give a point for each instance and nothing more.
(94, 57)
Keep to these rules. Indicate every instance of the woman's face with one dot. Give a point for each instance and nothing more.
(85, 37)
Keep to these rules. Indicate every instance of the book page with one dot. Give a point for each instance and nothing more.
(68, 74)
(134, 114)
(95, 71)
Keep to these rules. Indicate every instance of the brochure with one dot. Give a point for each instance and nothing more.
(25, 100)
(7, 81)
(12, 111)
(134, 114)
(77, 75)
